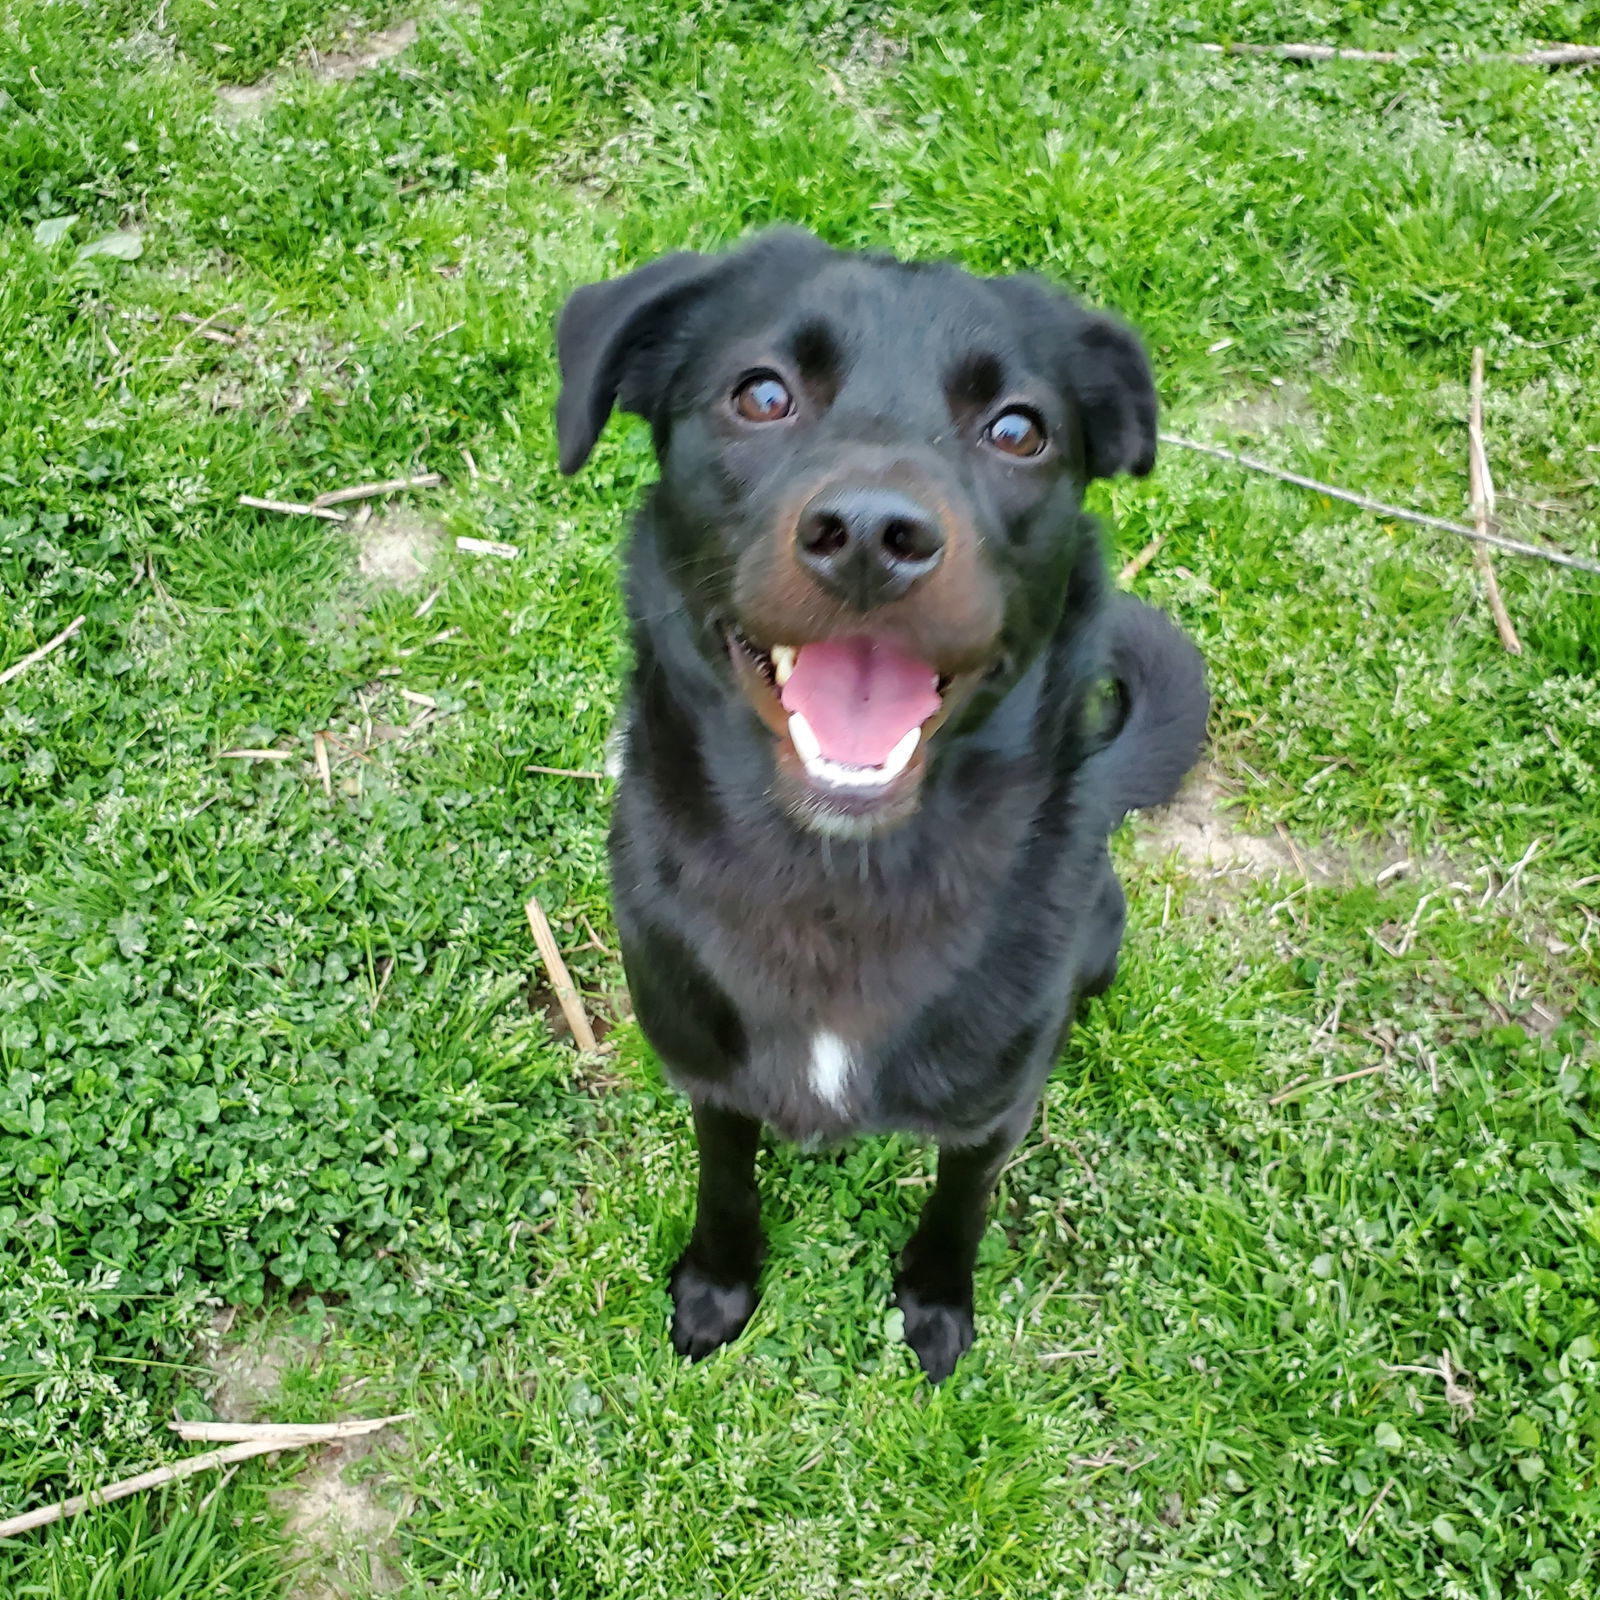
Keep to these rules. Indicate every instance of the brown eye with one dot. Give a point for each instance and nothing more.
(763, 398)
(1017, 433)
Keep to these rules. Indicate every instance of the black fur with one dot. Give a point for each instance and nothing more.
(951, 944)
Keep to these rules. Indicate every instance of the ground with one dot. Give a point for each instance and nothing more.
(289, 1129)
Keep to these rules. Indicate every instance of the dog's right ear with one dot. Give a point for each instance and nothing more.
(605, 336)
(1101, 365)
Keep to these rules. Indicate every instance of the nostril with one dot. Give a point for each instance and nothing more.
(825, 534)
(908, 540)
(904, 540)
(899, 538)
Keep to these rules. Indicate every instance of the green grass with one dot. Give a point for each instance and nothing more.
(265, 1049)
(159, 1547)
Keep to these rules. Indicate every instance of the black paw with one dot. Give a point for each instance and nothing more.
(938, 1330)
(706, 1315)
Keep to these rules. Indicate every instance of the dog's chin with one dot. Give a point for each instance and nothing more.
(833, 799)
(840, 811)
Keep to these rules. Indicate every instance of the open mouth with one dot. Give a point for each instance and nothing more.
(853, 715)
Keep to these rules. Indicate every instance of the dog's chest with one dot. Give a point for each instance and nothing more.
(830, 1070)
(802, 981)
(844, 954)
(828, 969)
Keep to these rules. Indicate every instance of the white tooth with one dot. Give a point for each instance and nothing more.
(899, 758)
(807, 745)
(838, 775)
(843, 777)
(864, 777)
(782, 662)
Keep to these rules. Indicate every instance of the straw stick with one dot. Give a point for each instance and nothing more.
(560, 979)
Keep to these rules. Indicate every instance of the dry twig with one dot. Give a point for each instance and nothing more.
(1139, 562)
(385, 973)
(1456, 1395)
(1567, 55)
(1294, 854)
(191, 320)
(1483, 506)
(371, 491)
(1431, 1062)
(1499, 541)
(1297, 1089)
(277, 1433)
(203, 327)
(319, 749)
(440, 637)
(217, 1488)
(1372, 1511)
(215, 335)
(569, 772)
(291, 508)
(487, 547)
(255, 755)
(560, 979)
(595, 941)
(18, 667)
(253, 1439)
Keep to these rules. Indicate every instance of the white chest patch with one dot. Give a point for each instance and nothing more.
(830, 1069)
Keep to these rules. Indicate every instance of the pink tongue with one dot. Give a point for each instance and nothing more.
(861, 697)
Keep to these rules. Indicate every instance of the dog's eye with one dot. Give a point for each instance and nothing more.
(1018, 433)
(763, 398)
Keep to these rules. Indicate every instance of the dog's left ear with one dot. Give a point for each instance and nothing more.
(1102, 365)
(605, 336)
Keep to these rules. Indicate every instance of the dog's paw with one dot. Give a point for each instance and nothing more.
(940, 1331)
(706, 1315)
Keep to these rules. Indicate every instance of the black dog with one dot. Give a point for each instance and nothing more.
(885, 711)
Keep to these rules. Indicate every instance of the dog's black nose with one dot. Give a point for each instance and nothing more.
(868, 546)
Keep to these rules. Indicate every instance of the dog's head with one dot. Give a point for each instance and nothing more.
(871, 475)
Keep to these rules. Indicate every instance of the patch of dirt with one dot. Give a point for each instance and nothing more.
(398, 547)
(246, 1376)
(1268, 411)
(150, 45)
(595, 1073)
(876, 52)
(342, 1529)
(240, 100)
(270, 368)
(370, 51)
(1200, 833)
(859, 73)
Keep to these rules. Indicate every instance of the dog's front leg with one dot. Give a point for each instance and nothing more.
(714, 1282)
(933, 1288)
